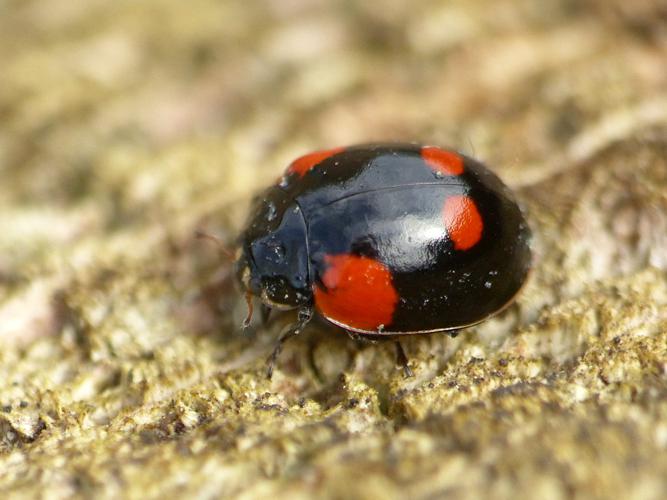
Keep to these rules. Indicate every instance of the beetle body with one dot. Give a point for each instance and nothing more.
(387, 239)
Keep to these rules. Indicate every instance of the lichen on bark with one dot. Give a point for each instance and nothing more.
(125, 127)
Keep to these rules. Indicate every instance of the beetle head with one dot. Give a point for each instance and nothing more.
(273, 260)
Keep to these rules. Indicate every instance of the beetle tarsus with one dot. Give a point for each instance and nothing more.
(402, 359)
(305, 315)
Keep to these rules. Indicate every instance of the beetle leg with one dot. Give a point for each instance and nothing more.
(362, 339)
(402, 359)
(305, 315)
(248, 318)
(265, 312)
(352, 335)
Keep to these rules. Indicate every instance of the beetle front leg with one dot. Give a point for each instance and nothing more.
(305, 315)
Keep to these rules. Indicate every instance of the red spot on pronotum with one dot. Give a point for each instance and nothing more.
(358, 292)
(463, 221)
(441, 161)
(303, 164)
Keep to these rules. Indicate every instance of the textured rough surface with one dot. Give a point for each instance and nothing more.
(126, 126)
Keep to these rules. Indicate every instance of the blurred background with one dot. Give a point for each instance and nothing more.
(126, 126)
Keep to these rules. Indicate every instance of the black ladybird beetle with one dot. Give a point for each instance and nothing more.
(385, 240)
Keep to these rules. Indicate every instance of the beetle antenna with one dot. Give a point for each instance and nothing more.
(224, 250)
(472, 147)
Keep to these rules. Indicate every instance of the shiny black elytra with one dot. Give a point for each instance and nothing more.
(385, 240)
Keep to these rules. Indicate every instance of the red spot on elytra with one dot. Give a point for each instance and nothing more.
(358, 292)
(441, 161)
(303, 164)
(463, 221)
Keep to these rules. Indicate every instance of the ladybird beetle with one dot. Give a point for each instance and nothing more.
(384, 240)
